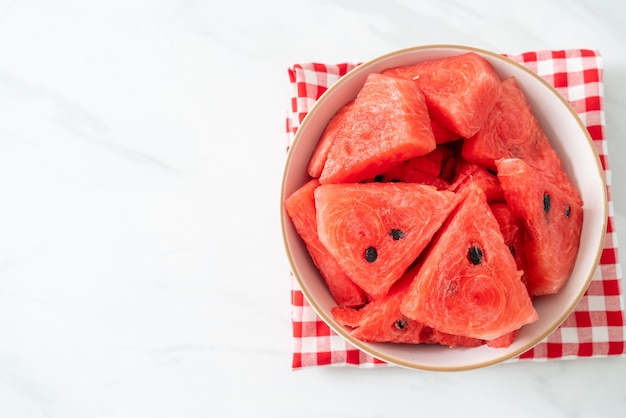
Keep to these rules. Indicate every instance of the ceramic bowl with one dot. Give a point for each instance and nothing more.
(569, 138)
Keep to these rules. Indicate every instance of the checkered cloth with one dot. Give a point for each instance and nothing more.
(596, 326)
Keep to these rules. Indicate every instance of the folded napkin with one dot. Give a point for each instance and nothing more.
(595, 328)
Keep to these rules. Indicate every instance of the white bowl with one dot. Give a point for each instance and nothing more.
(569, 138)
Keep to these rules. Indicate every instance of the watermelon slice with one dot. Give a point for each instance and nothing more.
(381, 321)
(513, 232)
(410, 172)
(468, 284)
(553, 221)
(504, 341)
(388, 124)
(460, 91)
(469, 173)
(376, 230)
(512, 131)
(318, 158)
(425, 169)
(300, 207)
(441, 133)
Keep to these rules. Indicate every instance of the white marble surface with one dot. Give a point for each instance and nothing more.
(142, 272)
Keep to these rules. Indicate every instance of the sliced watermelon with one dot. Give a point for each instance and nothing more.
(388, 124)
(430, 168)
(513, 232)
(441, 133)
(300, 207)
(376, 230)
(553, 221)
(414, 170)
(480, 176)
(381, 321)
(468, 284)
(318, 158)
(460, 91)
(504, 341)
(512, 131)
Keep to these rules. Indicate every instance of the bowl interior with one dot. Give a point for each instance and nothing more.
(567, 135)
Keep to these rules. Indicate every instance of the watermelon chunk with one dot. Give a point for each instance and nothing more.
(410, 172)
(468, 283)
(553, 221)
(474, 174)
(376, 230)
(512, 131)
(460, 91)
(504, 341)
(381, 321)
(388, 124)
(513, 232)
(441, 133)
(300, 207)
(318, 158)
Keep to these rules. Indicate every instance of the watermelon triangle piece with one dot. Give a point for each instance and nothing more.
(300, 207)
(468, 283)
(320, 153)
(387, 124)
(513, 232)
(381, 321)
(460, 91)
(513, 131)
(553, 221)
(376, 230)
(469, 173)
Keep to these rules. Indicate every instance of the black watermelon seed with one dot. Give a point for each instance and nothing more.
(492, 171)
(401, 324)
(397, 234)
(546, 202)
(568, 211)
(379, 178)
(475, 255)
(371, 255)
(395, 181)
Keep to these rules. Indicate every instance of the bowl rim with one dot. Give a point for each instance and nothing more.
(367, 347)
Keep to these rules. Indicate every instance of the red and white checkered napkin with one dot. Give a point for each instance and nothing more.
(595, 328)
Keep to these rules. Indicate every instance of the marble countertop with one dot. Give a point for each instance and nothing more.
(142, 271)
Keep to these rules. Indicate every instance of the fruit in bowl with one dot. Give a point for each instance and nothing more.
(443, 196)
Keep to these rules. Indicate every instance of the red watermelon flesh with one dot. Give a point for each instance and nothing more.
(553, 221)
(460, 91)
(504, 341)
(404, 173)
(468, 283)
(512, 131)
(427, 169)
(376, 230)
(318, 158)
(388, 124)
(513, 232)
(433, 336)
(410, 172)
(474, 174)
(441, 133)
(381, 321)
(433, 162)
(300, 207)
